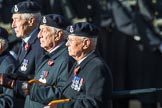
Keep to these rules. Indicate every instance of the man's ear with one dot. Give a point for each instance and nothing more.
(1, 47)
(86, 43)
(31, 21)
(59, 35)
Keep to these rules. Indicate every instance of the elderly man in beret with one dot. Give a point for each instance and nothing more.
(26, 17)
(7, 61)
(7, 65)
(90, 83)
(52, 73)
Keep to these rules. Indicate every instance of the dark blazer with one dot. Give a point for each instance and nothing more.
(33, 54)
(31, 57)
(56, 74)
(96, 85)
(7, 65)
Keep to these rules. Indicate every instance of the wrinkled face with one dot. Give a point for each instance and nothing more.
(46, 36)
(20, 25)
(75, 46)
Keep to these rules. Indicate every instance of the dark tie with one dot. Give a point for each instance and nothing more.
(76, 69)
(22, 50)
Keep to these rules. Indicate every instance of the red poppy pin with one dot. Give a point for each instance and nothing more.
(27, 47)
(76, 70)
(50, 63)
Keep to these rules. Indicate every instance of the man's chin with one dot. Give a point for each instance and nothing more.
(42, 46)
(70, 55)
(18, 36)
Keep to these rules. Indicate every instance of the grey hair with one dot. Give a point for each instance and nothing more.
(4, 43)
(93, 41)
(65, 34)
(37, 16)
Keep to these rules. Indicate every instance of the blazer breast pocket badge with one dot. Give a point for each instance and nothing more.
(24, 65)
(76, 83)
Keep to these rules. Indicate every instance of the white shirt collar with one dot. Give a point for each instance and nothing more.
(26, 39)
(56, 47)
(85, 57)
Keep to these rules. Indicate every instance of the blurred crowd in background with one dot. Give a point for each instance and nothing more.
(130, 39)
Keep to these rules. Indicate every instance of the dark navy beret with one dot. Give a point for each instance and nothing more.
(26, 7)
(84, 29)
(3, 33)
(55, 20)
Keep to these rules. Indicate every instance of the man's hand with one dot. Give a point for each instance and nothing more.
(26, 88)
(51, 106)
(5, 81)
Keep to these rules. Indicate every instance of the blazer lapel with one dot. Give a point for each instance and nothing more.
(82, 65)
(30, 42)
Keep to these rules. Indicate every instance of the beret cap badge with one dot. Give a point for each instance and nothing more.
(55, 20)
(16, 8)
(44, 20)
(26, 7)
(71, 29)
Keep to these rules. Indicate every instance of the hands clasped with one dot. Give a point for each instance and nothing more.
(6, 81)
